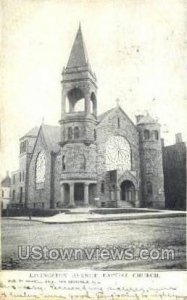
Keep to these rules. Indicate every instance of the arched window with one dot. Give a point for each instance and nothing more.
(70, 133)
(155, 134)
(76, 132)
(93, 104)
(118, 122)
(118, 153)
(63, 163)
(95, 134)
(102, 187)
(40, 167)
(146, 134)
(23, 147)
(21, 195)
(149, 188)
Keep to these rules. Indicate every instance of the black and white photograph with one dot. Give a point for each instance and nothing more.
(93, 135)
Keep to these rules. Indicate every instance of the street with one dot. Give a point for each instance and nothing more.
(137, 234)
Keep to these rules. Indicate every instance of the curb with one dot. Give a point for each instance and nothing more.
(110, 219)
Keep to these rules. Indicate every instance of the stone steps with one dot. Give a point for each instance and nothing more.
(80, 210)
(125, 204)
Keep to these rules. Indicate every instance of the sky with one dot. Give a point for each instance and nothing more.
(137, 48)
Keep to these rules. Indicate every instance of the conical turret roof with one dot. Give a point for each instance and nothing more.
(147, 119)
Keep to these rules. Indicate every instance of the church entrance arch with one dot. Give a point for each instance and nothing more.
(127, 191)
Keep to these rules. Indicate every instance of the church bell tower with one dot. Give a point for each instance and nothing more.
(79, 104)
(78, 128)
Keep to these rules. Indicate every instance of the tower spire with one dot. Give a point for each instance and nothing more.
(78, 56)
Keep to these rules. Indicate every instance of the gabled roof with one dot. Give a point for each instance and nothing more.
(105, 114)
(78, 56)
(6, 182)
(52, 137)
(31, 133)
(101, 117)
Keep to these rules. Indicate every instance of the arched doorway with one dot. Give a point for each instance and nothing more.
(127, 191)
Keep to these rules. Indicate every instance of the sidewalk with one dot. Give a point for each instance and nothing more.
(85, 216)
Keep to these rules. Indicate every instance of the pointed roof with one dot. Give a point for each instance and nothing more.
(78, 56)
(31, 133)
(104, 115)
(6, 182)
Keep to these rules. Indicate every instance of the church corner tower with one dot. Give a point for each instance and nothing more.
(20, 178)
(151, 162)
(78, 128)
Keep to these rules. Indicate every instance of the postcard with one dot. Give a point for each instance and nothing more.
(93, 149)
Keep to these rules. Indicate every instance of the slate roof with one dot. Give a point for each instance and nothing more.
(52, 137)
(101, 117)
(33, 132)
(105, 114)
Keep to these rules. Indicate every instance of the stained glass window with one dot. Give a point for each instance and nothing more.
(118, 154)
(40, 167)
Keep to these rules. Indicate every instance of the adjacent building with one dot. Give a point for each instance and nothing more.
(5, 191)
(175, 174)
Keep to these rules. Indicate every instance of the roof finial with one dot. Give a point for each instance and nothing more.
(79, 25)
(117, 102)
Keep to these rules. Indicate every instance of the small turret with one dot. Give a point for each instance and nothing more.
(26, 148)
(151, 161)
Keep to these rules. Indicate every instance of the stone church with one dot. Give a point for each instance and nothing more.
(89, 160)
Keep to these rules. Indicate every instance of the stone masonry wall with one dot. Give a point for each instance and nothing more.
(75, 153)
(151, 168)
(107, 128)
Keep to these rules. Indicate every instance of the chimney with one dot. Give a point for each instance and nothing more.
(138, 118)
(7, 173)
(178, 138)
